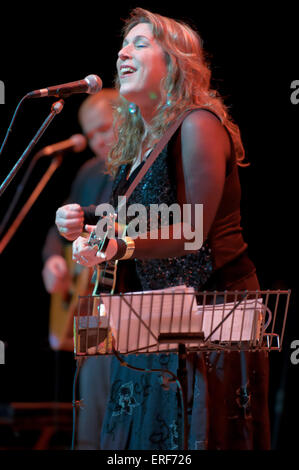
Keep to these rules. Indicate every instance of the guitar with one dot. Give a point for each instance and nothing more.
(105, 272)
(63, 305)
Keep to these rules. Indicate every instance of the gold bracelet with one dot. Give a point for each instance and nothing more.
(130, 248)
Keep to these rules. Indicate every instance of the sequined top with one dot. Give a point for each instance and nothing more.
(157, 187)
(224, 243)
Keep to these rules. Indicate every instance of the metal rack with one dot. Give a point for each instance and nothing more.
(155, 321)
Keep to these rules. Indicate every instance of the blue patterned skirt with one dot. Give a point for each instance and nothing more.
(227, 403)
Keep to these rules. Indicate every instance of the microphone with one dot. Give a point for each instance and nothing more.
(76, 143)
(90, 84)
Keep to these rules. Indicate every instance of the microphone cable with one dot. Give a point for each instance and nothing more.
(164, 384)
(75, 403)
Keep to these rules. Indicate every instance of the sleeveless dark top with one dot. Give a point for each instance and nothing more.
(222, 259)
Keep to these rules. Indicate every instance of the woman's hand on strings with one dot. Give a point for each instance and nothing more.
(88, 255)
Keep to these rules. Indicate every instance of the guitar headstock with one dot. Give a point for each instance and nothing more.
(93, 239)
(102, 241)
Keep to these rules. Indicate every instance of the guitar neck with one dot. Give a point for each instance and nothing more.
(106, 272)
(106, 278)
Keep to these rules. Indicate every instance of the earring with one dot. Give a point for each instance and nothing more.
(132, 108)
(168, 101)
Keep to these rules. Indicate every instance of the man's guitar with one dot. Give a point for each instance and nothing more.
(63, 305)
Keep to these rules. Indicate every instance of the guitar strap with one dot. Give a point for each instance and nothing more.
(155, 153)
(148, 163)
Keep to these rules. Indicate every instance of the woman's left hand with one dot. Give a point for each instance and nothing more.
(89, 256)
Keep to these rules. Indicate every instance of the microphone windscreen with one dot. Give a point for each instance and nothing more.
(95, 84)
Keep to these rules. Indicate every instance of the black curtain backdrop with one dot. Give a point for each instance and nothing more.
(253, 59)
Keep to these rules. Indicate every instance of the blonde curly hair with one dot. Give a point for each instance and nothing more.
(187, 83)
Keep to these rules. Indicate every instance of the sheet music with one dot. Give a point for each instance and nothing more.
(137, 318)
(242, 325)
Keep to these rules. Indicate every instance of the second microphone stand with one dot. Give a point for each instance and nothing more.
(56, 108)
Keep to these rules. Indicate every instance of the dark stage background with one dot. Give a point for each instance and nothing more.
(254, 60)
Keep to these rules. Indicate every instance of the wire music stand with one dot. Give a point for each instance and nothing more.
(179, 320)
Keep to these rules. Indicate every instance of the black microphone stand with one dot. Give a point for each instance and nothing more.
(19, 190)
(55, 109)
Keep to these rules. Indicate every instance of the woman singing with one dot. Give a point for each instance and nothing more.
(161, 74)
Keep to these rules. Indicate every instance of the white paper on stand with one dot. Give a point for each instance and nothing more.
(137, 318)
